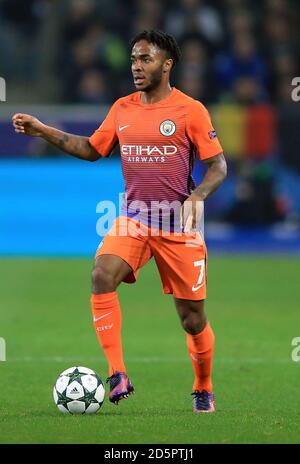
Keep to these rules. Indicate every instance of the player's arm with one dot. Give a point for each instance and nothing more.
(202, 134)
(74, 145)
(192, 209)
(214, 176)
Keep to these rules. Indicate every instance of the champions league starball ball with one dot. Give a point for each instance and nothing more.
(79, 390)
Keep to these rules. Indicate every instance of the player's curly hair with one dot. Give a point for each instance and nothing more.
(163, 40)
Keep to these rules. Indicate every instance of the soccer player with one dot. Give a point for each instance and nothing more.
(160, 131)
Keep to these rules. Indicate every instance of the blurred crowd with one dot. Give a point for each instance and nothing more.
(239, 56)
(233, 50)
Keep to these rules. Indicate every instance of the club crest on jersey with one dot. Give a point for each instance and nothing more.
(167, 128)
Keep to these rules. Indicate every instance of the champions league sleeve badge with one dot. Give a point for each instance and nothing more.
(212, 134)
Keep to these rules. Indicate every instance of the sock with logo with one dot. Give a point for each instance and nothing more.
(107, 322)
(201, 348)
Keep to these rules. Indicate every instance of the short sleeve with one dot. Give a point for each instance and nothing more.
(201, 131)
(104, 139)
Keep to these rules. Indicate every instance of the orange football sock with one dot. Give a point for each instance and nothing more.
(201, 348)
(108, 321)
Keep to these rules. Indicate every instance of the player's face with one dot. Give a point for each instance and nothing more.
(148, 64)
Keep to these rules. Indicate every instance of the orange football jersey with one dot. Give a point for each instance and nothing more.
(158, 145)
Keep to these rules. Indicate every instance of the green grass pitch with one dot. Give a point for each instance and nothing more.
(253, 306)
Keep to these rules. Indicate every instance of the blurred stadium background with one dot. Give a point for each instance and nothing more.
(66, 62)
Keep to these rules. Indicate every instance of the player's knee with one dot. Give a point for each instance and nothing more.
(193, 323)
(103, 281)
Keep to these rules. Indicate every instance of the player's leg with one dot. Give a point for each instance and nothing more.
(118, 259)
(200, 345)
(108, 273)
(181, 261)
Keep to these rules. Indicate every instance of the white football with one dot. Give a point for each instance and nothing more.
(78, 390)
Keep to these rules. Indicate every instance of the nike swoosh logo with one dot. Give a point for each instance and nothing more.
(123, 127)
(194, 289)
(101, 317)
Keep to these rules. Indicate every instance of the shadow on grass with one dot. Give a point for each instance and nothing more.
(35, 414)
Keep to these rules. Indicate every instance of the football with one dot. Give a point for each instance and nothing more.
(79, 390)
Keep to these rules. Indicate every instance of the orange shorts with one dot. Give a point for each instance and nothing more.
(181, 259)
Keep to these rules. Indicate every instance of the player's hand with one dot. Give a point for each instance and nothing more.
(191, 213)
(26, 124)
